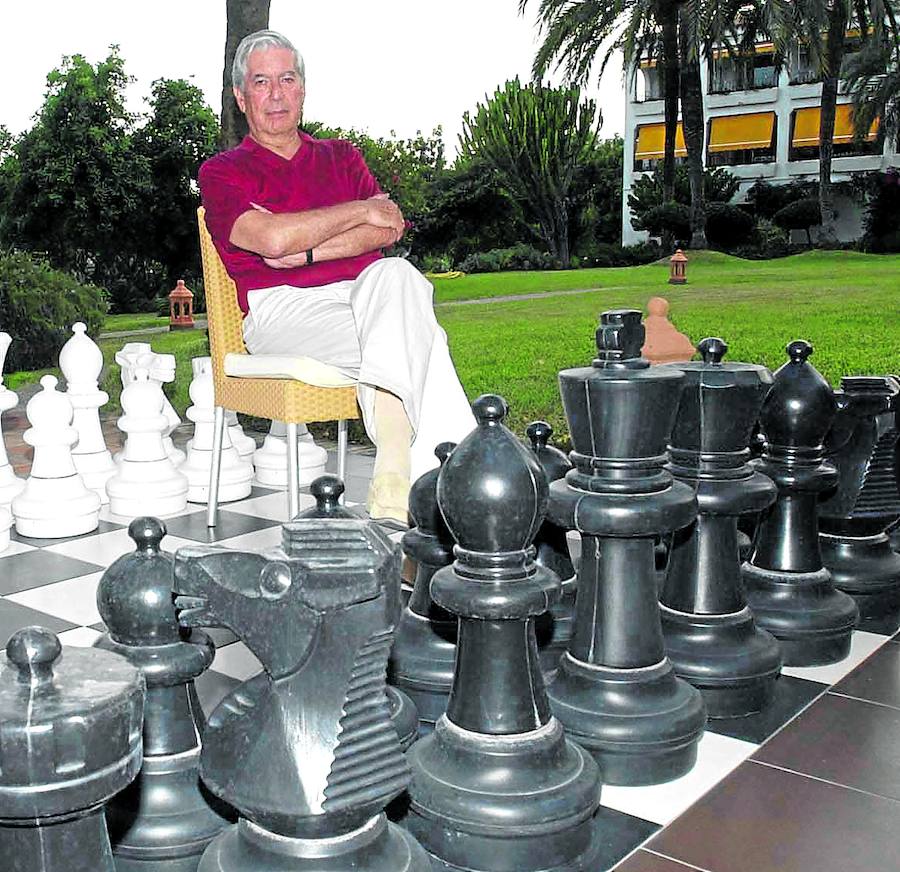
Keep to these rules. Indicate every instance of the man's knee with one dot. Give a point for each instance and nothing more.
(396, 277)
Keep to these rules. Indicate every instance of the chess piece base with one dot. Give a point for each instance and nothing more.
(10, 484)
(811, 620)
(640, 725)
(234, 478)
(504, 803)
(404, 716)
(54, 508)
(152, 487)
(867, 569)
(95, 470)
(175, 820)
(6, 523)
(270, 462)
(727, 658)
(377, 846)
(421, 664)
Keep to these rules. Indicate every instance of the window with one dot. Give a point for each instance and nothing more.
(745, 72)
(741, 139)
(649, 146)
(805, 134)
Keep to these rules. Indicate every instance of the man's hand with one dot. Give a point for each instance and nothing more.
(384, 212)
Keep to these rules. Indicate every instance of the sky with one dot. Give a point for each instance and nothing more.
(397, 65)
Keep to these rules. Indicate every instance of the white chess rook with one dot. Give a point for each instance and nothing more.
(10, 483)
(55, 502)
(81, 362)
(147, 482)
(161, 369)
(235, 473)
(271, 459)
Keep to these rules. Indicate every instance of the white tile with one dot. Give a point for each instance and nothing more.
(271, 506)
(258, 540)
(862, 644)
(16, 548)
(104, 548)
(237, 661)
(80, 637)
(74, 599)
(662, 803)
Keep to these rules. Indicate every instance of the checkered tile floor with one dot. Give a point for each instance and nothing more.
(53, 583)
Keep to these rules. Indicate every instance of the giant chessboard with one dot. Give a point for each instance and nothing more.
(811, 785)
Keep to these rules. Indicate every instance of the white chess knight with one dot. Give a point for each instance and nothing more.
(161, 369)
(235, 473)
(271, 460)
(146, 482)
(10, 483)
(81, 362)
(55, 501)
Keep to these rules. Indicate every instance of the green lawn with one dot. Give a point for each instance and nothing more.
(847, 304)
(117, 323)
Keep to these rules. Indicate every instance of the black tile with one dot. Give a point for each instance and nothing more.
(102, 527)
(877, 679)
(260, 491)
(619, 834)
(762, 819)
(228, 524)
(14, 616)
(792, 695)
(212, 687)
(36, 568)
(646, 861)
(843, 740)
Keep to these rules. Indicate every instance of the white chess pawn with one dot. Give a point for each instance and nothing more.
(235, 473)
(55, 502)
(81, 362)
(271, 462)
(161, 369)
(146, 482)
(10, 483)
(244, 444)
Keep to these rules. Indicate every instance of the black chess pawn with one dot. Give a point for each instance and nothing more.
(328, 489)
(424, 649)
(70, 738)
(305, 750)
(554, 627)
(497, 785)
(790, 592)
(709, 631)
(863, 445)
(615, 690)
(164, 820)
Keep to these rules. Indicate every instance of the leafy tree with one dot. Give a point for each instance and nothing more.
(535, 136)
(179, 135)
(799, 215)
(873, 80)
(882, 218)
(595, 201)
(728, 227)
(719, 186)
(667, 219)
(766, 199)
(243, 17)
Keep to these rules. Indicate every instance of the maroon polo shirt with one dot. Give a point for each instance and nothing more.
(323, 172)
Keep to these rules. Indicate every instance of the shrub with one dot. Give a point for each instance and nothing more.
(38, 305)
(669, 218)
(766, 199)
(727, 227)
(605, 254)
(517, 257)
(882, 218)
(799, 215)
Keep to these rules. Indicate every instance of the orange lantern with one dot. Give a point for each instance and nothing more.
(181, 308)
(678, 268)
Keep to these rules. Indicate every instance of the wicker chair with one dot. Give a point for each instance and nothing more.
(266, 386)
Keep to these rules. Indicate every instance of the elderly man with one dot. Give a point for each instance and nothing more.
(300, 223)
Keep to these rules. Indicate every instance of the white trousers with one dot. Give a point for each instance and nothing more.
(379, 329)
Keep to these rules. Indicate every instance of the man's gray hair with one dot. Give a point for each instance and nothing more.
(254, 41)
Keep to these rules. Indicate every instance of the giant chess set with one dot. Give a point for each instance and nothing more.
(590, 644)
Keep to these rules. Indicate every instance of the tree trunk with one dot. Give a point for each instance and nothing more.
(244, 17)
(834, 55)
(692, 121)
(669, 64)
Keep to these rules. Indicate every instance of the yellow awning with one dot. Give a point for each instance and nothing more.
(737, 132)
(651, 142)
(806, 126)
(761, 48)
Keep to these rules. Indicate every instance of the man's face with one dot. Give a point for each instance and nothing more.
(272, 97)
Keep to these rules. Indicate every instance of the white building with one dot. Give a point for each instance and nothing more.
(760, 124)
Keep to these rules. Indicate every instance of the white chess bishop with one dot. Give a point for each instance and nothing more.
(55, 501)
(147, 482)
(81, 362)
(271, 461)
(235, 473)
(161, 369)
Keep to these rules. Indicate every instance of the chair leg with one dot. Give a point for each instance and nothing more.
(212, 504)
(342, 452)
(293, 472)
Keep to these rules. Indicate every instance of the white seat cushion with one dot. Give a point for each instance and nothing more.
(305, 369)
